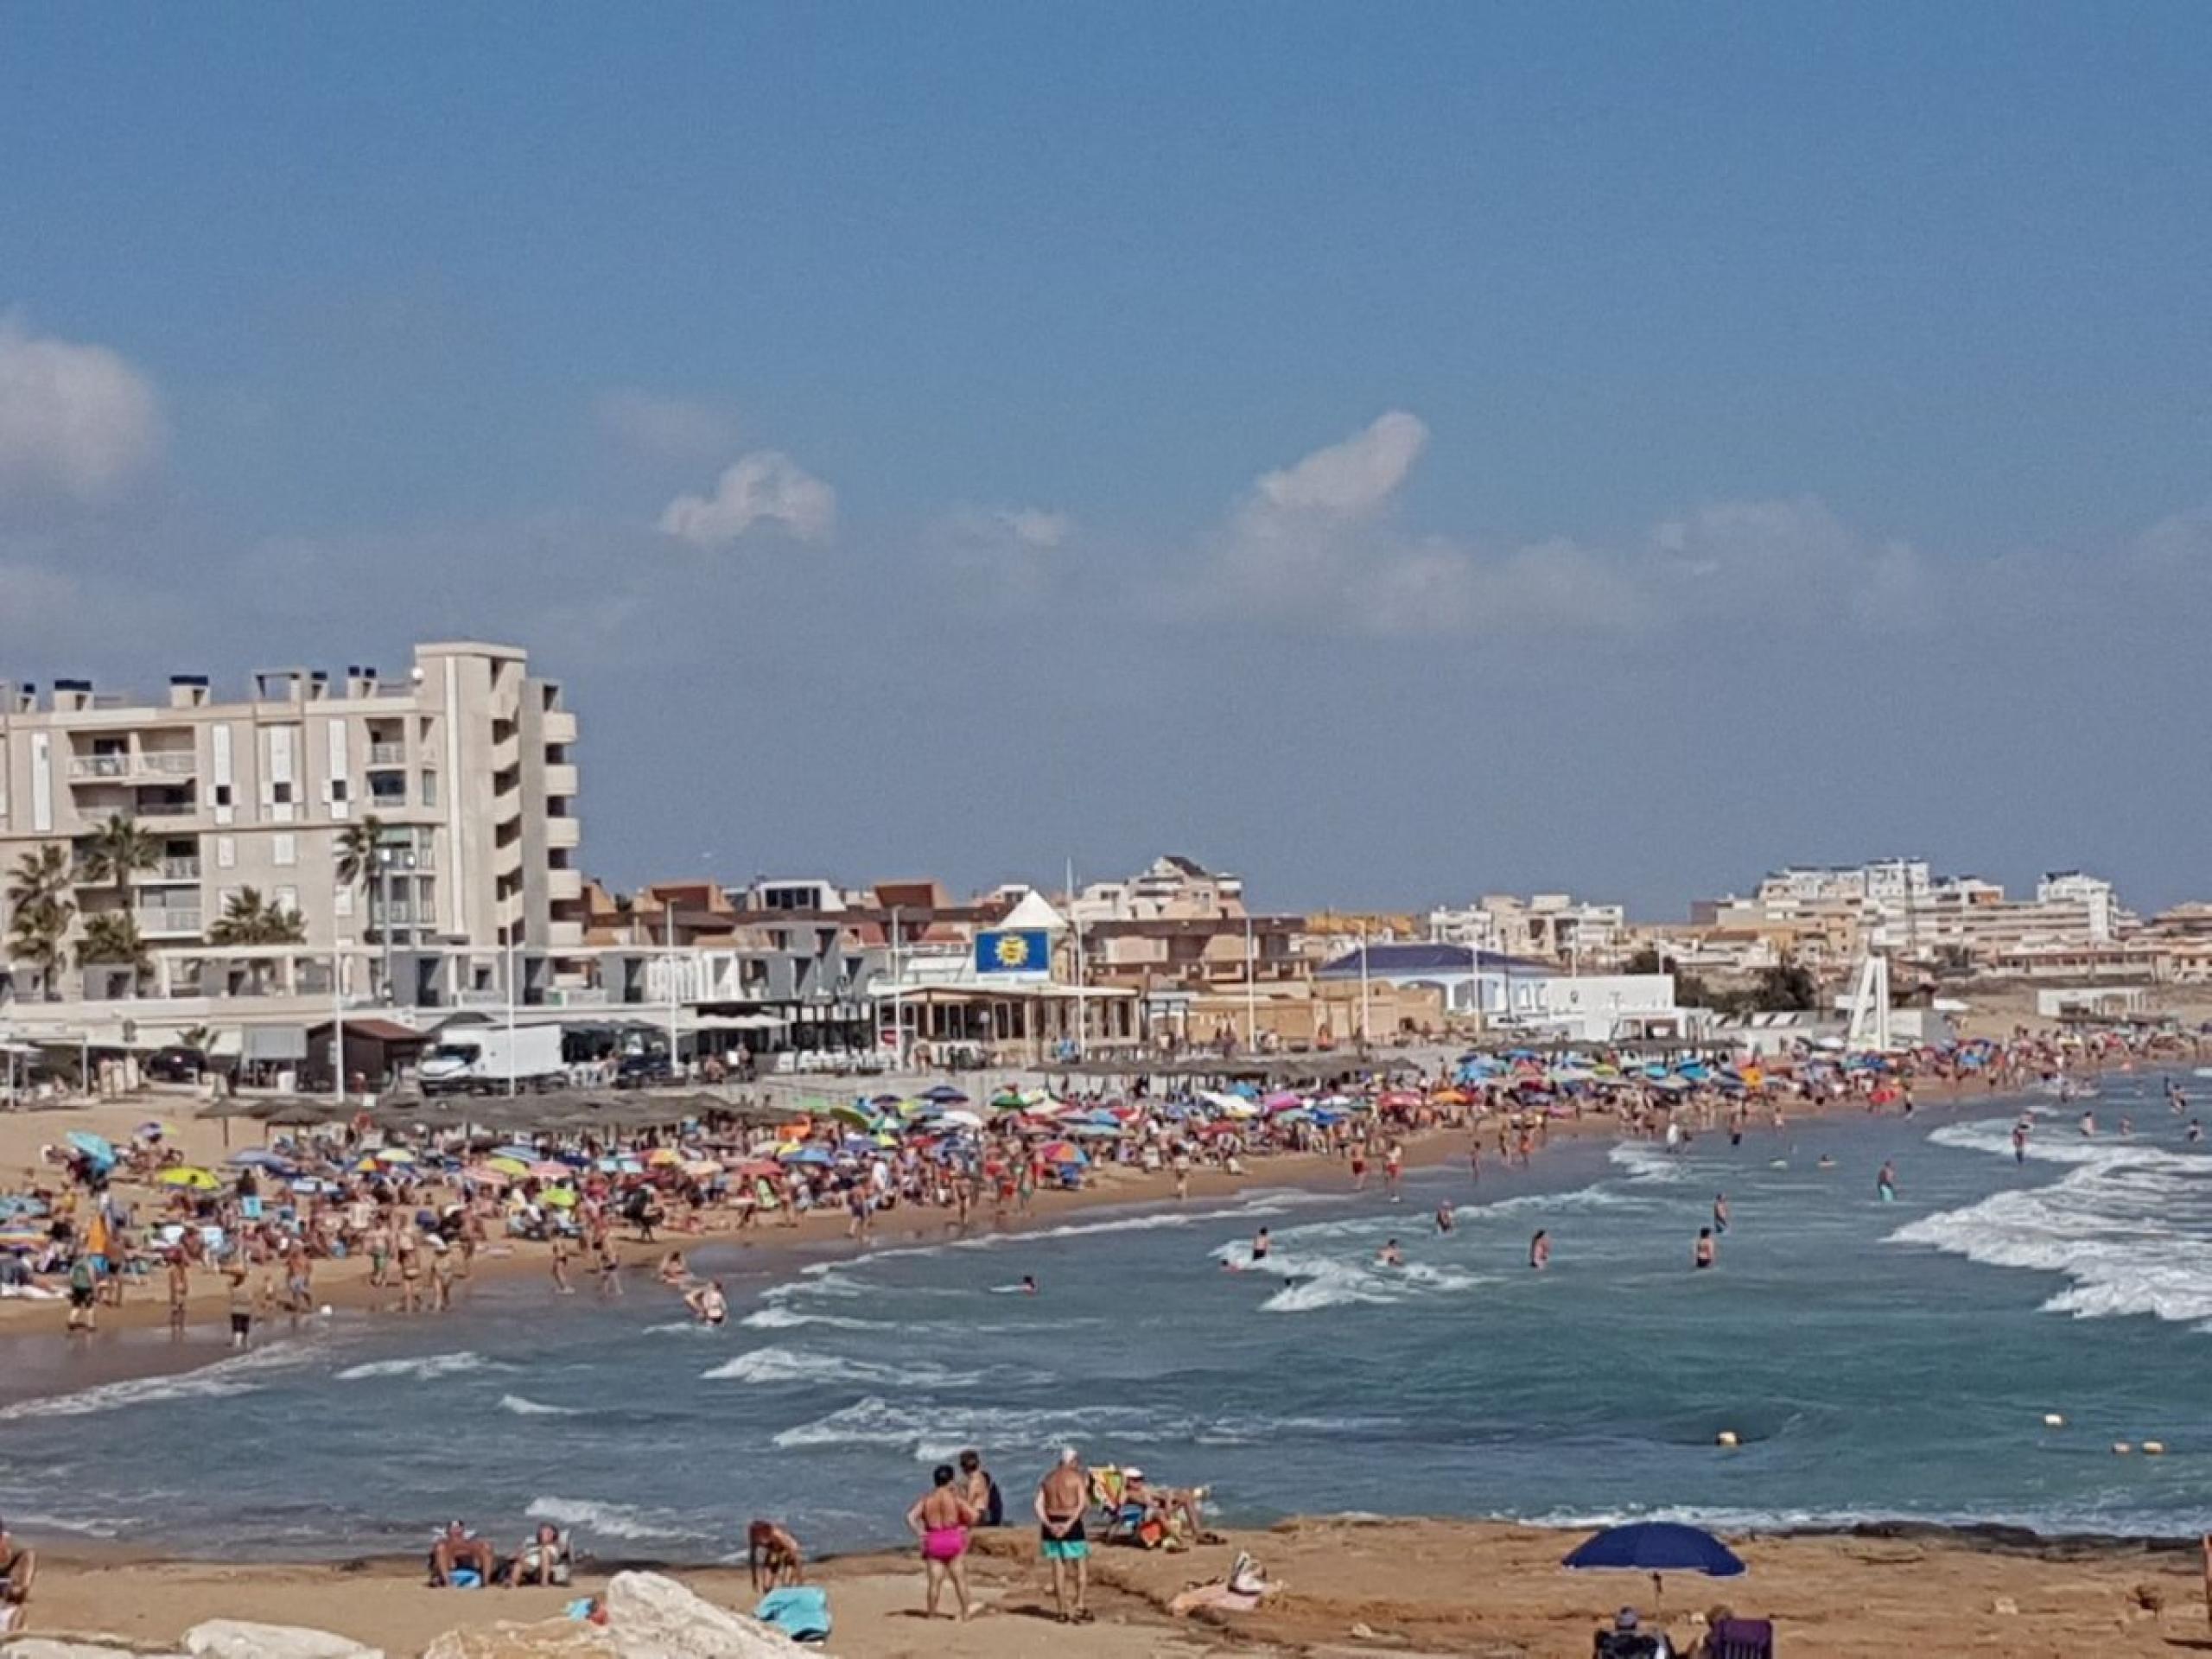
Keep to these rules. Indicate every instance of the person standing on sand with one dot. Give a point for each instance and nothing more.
(1062, 1497)
(940, 1518)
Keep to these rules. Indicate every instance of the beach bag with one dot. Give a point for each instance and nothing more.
(995, 1506)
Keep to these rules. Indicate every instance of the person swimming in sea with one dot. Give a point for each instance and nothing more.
(1720, 1212)
(1706, 1252)
(1261, 1243)
(2088, 1123)
(1540, 1250)
(1029, 1284)
(707, 1304)
(1886, 1184)
(1391, 1256)
(1444, 1219)
(2195, 1130)
(1825, 1161)
(2020, 1142)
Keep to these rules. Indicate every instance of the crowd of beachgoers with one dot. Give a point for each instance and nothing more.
(422, 1197)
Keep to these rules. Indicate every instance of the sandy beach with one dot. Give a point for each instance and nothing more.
(1403, 1587)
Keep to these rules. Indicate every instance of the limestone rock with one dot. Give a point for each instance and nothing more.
(47, 1647)
(554, 1638)
(655, 1617)
(238, 1638)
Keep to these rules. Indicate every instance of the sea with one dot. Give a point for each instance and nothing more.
(1875, 1360)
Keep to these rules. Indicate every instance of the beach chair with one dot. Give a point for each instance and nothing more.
(1740, 1638)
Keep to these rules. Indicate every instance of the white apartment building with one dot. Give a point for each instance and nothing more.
(1171, 888)
(465, 763)
(1554, 925)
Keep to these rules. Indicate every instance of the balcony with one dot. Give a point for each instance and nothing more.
(561, 884)
(168, 921)
(387, 754)
(167, 809)
(400, 912)
(170, 869)
(152, 763)
(564, 936)
(561, 779)
(565, 832)
(557, 726)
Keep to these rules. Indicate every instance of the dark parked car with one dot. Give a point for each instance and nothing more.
(643, 1071)
(176, 1065)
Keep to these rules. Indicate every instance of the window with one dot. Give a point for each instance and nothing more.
(429, 789)
(284, 850)
(338, 792)
(222, 795)
(226, 852)
(285, 898)
(280, 794)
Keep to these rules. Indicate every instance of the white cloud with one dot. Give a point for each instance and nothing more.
(673, 428)
(766, 486)
(1006, 557)
(1353, 477)
(75, 421)
(1032, 527)
(1314, 545)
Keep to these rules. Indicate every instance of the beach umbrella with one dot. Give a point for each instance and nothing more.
(91, 1146)
(805, 1155)
(755, 1169)
(507, 1164)
(20, 1240)
(559, 1198)
(944, 1094)
(186, 1175)
(257, 1157)
(661, 1155)
(700, 1168)
(961, 1119)
(852, 1112)
(550, 1172)
(486, 1175)
(1062, 1152)
(1656, 1546)
(393, 1155)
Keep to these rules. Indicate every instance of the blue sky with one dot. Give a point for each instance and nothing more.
(1389, 451)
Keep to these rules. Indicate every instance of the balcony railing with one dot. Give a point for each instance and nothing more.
(174, 763)
(180, 869)
(165, 763)
(398, 912)
(387, 754)
(167, 809)
(166, 919)
(99, 766)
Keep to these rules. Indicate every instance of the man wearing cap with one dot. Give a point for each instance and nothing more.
(1062, 1497)
(18, 1567)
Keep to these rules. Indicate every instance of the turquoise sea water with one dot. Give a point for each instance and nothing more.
(1877, 1361)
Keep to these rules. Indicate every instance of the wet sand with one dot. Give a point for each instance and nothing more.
(1404, 1587)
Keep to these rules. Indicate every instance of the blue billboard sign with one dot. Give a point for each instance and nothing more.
(1024, 951)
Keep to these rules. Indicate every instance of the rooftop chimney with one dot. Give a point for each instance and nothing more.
(188, 690)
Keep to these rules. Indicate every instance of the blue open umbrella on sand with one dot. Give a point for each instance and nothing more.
(91, 1146)
(1657, 1547)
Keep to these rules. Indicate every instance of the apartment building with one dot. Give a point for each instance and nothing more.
(465, 763)
(1170, 888)
(1554, 925)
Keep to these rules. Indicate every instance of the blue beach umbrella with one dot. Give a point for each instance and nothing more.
(91, 1146)
(1657, 1547)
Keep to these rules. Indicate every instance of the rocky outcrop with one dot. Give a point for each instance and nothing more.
(648, 1617)
(236, 1638)
(47, 1647)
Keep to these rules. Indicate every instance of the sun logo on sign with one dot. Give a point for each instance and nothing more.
(1014, 950)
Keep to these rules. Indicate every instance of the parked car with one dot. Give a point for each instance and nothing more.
(176, 1064)
(644, 1071)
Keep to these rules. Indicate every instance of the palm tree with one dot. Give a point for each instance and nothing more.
(42, 908)
(118, 850)
(34, 937)
(358, 849)
(111, 937)
(246, 920)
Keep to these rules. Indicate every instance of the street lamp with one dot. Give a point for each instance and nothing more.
(388, 859)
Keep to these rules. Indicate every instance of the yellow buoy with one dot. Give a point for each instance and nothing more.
(2154, 1448)
(2052, 1419)
(1726, 1437)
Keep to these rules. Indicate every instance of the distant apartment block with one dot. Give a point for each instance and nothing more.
(465, 763)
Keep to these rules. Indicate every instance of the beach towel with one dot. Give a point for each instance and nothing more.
(799, 1611)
